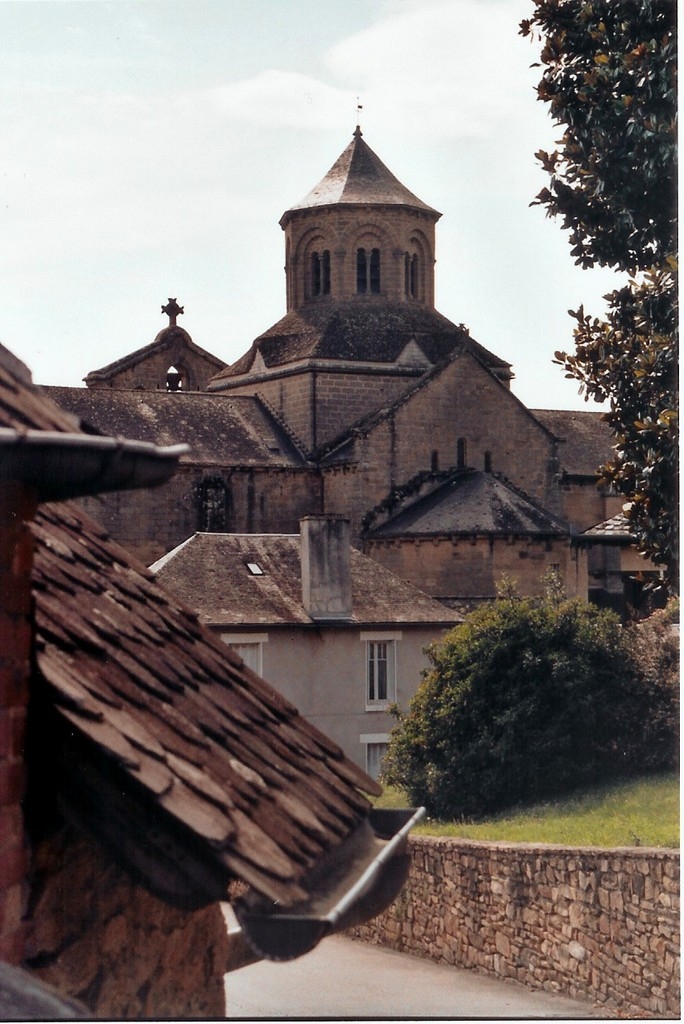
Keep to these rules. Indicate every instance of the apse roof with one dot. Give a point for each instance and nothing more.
(471, 503)
(359, 176)
(220, 428)
(211, 570)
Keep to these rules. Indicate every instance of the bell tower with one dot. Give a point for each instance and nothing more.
(359, 234)
(361, 328)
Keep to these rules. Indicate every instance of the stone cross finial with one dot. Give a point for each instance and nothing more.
(172, 310)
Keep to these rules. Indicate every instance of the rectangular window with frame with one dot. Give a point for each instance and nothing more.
(376, 745)
(380, 672)
(249, 647)
(375, 753)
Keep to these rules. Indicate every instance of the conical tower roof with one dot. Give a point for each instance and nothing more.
(359, 177)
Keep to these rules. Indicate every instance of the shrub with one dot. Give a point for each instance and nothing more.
(526, 700)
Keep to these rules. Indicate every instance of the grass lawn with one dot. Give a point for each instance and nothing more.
(641, 812)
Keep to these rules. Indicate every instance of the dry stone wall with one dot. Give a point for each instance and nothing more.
(602, 925)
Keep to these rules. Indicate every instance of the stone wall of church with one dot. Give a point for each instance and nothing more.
(317, 405)
(206, 499)
(95, 935)
(464, 571)
(464, 410)
(585, 504)
(151, 374)
(344, 398)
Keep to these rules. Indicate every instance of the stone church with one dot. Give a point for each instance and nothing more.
(362, 401)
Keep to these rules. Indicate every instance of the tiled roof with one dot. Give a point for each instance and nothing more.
(145, 702)
(220, 429)
(615, 528)
(359, 330)
(184, 764)
(587, 441)
(472, 503)
(210, 571)
(169, 337)
(359, 176)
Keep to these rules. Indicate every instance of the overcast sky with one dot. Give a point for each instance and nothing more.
(150, 148)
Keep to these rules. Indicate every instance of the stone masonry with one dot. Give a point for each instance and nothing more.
(588, 923)
(97, 936)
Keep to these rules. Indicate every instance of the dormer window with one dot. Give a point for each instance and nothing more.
(320, 273)
(368, 271)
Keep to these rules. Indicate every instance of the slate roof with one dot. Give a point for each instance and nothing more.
(616, 528)
(360, 330)
(359, 176)
(220, 429)
(210, 570)
(154, 736)
(586, 440)
(472, 503)
(172, 336)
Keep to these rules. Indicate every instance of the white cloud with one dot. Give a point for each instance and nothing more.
(437, 66)
(285, 99)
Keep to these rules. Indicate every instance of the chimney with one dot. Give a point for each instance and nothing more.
(326, 567)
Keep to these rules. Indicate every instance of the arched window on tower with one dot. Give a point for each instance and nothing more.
(411, 268)
(320, 273)
(375, 271)
(361, 271)
(315, 274)
(488, 462)
(461, 453)
(368, 271)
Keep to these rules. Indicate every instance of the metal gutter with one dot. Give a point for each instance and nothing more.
(62, 465)
(356, 882)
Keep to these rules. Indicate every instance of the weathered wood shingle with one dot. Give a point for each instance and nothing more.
(169, 712)
(152, 734)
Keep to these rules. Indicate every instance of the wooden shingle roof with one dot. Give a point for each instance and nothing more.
(152, 735)
(208, 755)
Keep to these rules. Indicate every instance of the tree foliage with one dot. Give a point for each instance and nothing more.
(609, 77)
(526, 700)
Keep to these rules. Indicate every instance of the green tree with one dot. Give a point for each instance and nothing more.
(526, 700)
(609, 77)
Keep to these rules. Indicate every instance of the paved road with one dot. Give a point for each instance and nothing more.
(346, 979)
